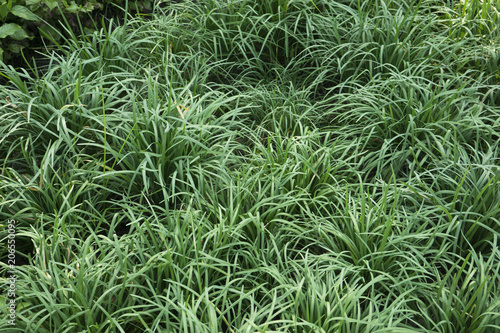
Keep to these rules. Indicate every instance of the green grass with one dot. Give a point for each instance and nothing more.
(272, 166)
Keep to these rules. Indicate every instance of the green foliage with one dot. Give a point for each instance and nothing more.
(270, 166)
(18, 18)
(21, 19)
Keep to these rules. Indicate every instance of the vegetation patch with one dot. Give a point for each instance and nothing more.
(243, 166)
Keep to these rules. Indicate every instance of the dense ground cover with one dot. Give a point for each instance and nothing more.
(242, 166)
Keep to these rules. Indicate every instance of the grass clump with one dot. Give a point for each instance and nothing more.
(281, 166)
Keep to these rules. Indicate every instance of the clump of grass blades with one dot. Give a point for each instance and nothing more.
(302, 166)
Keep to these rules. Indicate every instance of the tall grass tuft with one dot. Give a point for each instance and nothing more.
(272, 166)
